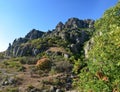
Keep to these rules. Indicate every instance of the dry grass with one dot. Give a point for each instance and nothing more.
(56, 49)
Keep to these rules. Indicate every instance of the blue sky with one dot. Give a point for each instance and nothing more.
(18, 17)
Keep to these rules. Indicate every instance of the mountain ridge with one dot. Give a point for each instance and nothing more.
(71, 31)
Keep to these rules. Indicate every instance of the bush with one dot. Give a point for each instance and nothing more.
(12, 90)
(22, 68)
(1, 55)
(27, 60)
(63, 66)
(103, 62)
(12, 63)
(44, 64)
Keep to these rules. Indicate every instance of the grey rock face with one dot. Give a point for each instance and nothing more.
(19, 41)
(60, 26)
(64, 35)
(77, 23)
(34, 34)
(74, 48)
(74, 23)
(71, 32)
(8, 52)
(83, 37)
(17, 49)
(88, 46)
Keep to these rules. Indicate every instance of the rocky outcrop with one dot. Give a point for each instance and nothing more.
(88, 47)
(75, 32)
(8, 52)
(77, 23)
(34, 34)
(60, 26)
(74, 23)
(19, 41)
(20, 47)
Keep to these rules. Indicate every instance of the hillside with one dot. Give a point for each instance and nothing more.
(70, 35)
(44, 60)
(76, 56)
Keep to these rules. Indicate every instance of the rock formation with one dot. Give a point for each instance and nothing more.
(74, 32)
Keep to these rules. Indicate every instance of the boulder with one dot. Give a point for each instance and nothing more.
(66, 55)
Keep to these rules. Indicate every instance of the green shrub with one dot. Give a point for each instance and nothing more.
(1, 55)
(12, 90)
(103, 62)
(63, 66)
(22, 68)
(28, 60)
(12, 63)
(44, 64)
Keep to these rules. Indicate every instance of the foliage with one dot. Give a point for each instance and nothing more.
(48, 42)
(63, 66)
(103, 64)
(12, 90)
(78, 65)
(43, 64)
(12, 63)
(27, 60)
(1, 55)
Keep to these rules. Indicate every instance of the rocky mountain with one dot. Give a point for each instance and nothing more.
(74, 33)
(44, 61)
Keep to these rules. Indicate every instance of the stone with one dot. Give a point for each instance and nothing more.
(83, 37)
(11, 80)
(69, 32)
(66, 55)
(58, 90)
(60, 26)
(34, 34)
(74, 23)
(35, 51)
(52, 89)
(88, 46)
(74, 48)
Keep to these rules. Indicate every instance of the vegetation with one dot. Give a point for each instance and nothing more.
(43, 64)
(1, 55)
(57, 58)
(103, 64)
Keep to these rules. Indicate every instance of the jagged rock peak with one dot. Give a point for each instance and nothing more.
(34, 34)
(60, 26)
(77, 23)
(72, 23)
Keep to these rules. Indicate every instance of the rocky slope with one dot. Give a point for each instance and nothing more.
(43, 61)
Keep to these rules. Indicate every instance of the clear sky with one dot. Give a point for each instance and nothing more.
(18, 17)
